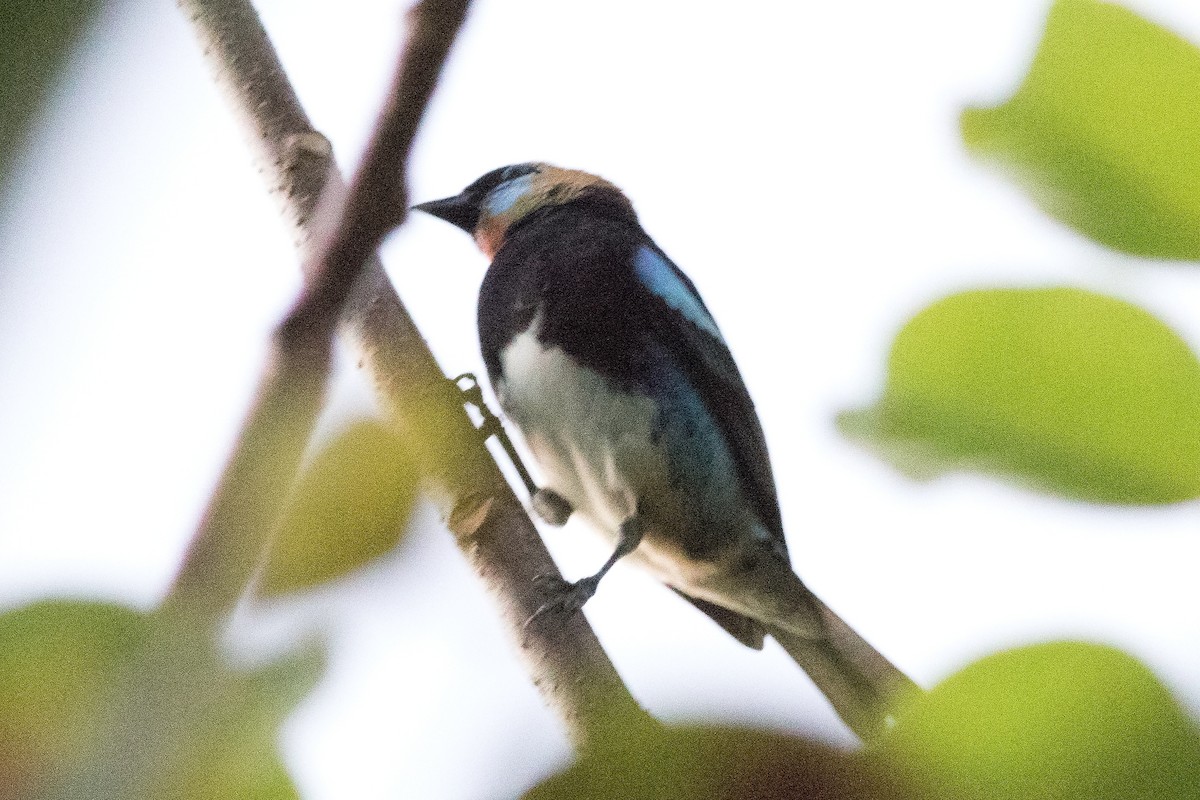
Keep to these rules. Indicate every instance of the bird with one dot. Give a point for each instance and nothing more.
(601, 352)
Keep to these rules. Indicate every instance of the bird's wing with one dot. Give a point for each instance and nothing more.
(682, 323)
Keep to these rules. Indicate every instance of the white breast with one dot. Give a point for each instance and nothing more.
(596, 448)
(592, 442)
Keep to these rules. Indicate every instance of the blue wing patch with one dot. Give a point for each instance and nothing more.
(660, 277)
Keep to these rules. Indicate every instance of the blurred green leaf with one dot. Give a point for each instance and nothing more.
(57, 660)
(186, 724)
(35, 37)
(100, 701)
(1069, 391)
(1103, 131)
(1063, 721)
(350, 506)
(712, 763)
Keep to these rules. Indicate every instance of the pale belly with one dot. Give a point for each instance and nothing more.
(596, 447)
(593, 445)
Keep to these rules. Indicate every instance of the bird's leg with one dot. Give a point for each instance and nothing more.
(570, 597)
(551, 507)
(490, 424)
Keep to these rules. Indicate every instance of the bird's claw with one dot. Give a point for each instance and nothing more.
(566, 597)
(551, 507)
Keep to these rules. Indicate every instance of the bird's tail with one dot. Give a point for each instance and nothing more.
(860, 683)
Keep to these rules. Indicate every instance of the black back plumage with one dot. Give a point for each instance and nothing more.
(575, 263)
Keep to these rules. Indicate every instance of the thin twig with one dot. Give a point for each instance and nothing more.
(563, 656)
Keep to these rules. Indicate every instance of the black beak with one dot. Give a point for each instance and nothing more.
(459, 210)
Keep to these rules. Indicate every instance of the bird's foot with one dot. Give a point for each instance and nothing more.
(569, 597)
(566, 598)
(551, 507)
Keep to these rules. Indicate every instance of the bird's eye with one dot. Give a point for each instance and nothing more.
(517, 170)
(499, 176)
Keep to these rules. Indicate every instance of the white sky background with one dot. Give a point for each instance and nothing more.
(800, 161)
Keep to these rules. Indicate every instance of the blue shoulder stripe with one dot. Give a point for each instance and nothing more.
(663, 279)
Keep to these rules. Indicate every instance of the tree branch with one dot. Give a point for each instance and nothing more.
(563, 656)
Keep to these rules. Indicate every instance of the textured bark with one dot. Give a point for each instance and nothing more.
(562, 655)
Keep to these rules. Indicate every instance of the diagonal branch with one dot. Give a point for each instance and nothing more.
(250, 494)
(563, 657)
